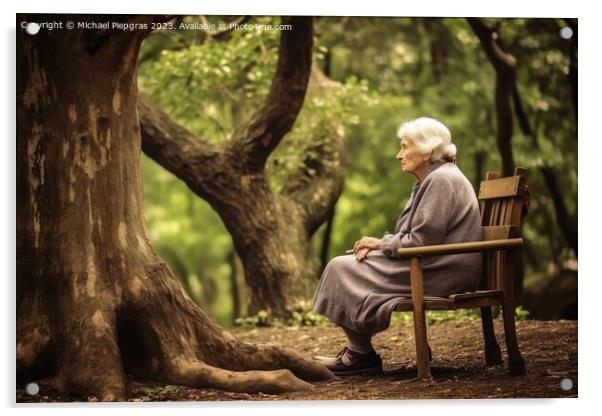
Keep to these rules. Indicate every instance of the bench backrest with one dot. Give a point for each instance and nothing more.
(502, 201)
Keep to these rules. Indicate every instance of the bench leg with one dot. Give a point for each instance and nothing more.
(516, 364)
(422, 348)
(493, 355)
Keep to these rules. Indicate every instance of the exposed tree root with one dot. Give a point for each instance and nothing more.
(182, 345)
(195, 373)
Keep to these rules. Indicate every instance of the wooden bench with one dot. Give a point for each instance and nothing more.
(501, 201)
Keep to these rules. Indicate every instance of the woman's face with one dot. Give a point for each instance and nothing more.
(410, 157)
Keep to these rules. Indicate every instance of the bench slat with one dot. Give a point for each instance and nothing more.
(460, 300)
(500, 188)
(499, 232)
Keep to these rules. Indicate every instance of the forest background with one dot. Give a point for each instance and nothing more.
(372, 74)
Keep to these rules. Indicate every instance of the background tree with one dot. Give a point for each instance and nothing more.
(270, 230)
(94, 301)
(508, 102)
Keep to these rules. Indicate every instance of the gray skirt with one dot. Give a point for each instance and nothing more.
(362, 295)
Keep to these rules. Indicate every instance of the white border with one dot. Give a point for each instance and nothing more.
(589, 205)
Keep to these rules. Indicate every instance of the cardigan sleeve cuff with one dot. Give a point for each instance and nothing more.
(389, 245)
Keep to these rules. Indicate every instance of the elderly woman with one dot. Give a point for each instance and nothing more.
(359, 292)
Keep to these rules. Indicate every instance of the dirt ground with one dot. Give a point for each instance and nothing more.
(549, 349)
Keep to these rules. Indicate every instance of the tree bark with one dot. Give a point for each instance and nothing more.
(439, 47)
(234, 291)
(94, 301)
(326, 243)
(480, 157)
(505, 70)
(271, 231)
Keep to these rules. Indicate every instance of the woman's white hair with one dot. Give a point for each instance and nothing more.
(429, 136)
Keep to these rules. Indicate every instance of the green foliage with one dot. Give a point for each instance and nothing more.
(437, 317)
(304, 317)
(150, 391)
(313, 138)
(150, 394)
(298, 318)
(211, 87)
(521, 314)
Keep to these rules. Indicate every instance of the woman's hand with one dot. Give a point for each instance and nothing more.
(362, 247)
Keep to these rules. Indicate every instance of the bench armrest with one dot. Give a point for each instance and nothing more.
(459, 248)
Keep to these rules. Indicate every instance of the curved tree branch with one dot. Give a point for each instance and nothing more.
(190, 159)
(255, 141)
(490, 43)
(174, 147)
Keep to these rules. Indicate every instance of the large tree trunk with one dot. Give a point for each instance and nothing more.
(272, 242)
(271, 231)
(94, 301)
(480, 157)
(438, 36)
(324, 249)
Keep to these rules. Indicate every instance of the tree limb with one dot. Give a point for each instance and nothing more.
(254, 142)
(489, 41)
(174, 147)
